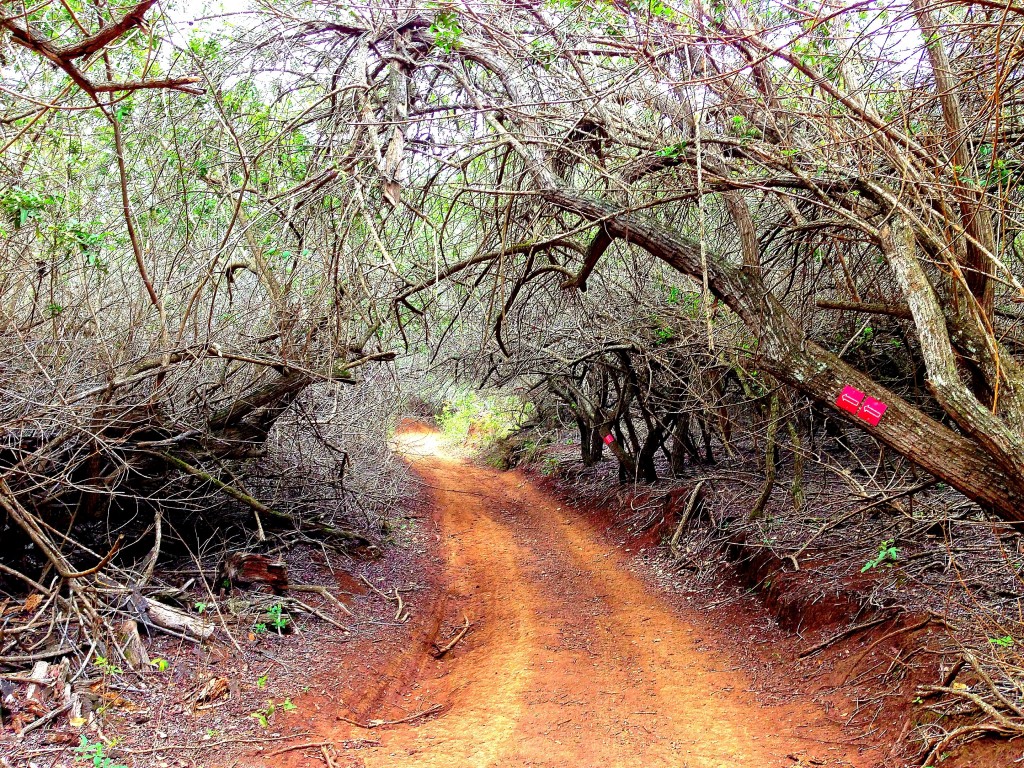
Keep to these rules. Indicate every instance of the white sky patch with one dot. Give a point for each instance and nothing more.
(185, 18)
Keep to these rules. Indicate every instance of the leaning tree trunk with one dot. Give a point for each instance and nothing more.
(980, 464)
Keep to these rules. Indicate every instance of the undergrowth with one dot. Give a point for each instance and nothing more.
(480, 419)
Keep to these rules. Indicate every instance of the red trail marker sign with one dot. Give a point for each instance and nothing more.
(850, 399)
(863, 407)
(871, 411)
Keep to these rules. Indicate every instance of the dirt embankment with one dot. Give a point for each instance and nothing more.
(571, 659)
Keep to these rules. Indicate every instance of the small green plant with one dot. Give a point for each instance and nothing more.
(742, 128)
(201, 608)
(104, 665)
(1002, 642)
(265, 716)
(543, 52)
(261, 681)
(887, 555)
(275, 617)
(87, 238)
(162, 665)
(672, 151)
(278, 619)
(94, 752)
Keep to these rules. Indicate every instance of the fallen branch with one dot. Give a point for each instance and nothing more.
(294, 747)
(101, 564)
(52, 715)
(853, 513)
(52, 653)
(691, 504)
(322, 591)
(841, 636)
(397, 598)
(992, 687)
(318, 613)
(165, 617)
(258, 506)
(378, 723)
(385, 595)
(939, 745)
(212, 745)
(442, 650)
(888, 635)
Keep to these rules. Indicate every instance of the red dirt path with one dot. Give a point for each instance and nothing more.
(571, 660)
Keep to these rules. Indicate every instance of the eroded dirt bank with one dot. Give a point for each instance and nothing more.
(571, 659)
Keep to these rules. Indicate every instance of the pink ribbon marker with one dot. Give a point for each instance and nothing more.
(609, 439)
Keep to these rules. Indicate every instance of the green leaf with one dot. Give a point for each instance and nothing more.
(446, 30)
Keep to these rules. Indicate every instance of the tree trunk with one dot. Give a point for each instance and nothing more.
(678, 462)
(770, 460)
(645, 458)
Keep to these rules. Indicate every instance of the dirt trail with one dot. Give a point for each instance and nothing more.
(572, 660)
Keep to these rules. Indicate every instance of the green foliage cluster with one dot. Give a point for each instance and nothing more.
(446, 30)
(94, 753)
(265, 716)
(275, 618)
(480, 418)
(23, 206)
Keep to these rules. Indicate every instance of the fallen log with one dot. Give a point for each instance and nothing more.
(166, 617)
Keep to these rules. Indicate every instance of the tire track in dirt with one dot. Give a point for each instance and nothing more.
(572, 660)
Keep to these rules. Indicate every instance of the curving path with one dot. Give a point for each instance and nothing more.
(572, 660)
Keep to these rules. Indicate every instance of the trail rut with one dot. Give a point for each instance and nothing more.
(572, 660)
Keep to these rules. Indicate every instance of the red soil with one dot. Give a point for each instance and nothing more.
(571, 659)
